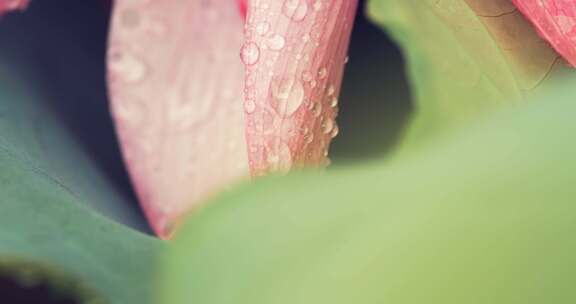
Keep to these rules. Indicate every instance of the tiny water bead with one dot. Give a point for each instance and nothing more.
(327, 125)
(276, 42)
(249, 106)
(127, 67)
(322, 73)
(330, 90)
(250, 53)
(262, 28)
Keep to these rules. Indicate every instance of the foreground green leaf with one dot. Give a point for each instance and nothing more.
(466, 58)
(484, 217)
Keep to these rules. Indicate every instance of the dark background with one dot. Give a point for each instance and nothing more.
(64, 41)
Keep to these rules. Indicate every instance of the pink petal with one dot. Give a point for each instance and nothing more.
(243, 7)
(294, 53)
(12, 5)
(176, 88)
(555, 20)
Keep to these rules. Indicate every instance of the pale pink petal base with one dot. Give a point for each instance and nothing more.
(295, 52)
(176, 84)
(12, 5)
(555, 20)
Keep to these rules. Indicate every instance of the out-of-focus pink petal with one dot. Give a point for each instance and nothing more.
(176, 87)
(12, 5)
(243, 7)
(295, 51)
(555, 20)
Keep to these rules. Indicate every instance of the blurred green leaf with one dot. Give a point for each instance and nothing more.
(47, 183)
(53, 103)
(486, 216)
(465, 58)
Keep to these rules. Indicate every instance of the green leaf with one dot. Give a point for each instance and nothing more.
(47, 184)
(53, 102)
(41, 222)
(485, 216)
(466, 58)
(57, 203)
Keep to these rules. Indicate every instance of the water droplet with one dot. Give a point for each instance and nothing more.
(288, 95)
(322, 73)
(295, 9)
(250, 53)
(327, 125)
(262, 28)
(316, 109)
(333, 102)
(126, 66)
(307, 76)
(276, 42)
(330, 90)
(250, 106)
(335, 131)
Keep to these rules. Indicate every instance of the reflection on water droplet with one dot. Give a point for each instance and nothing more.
(250, 53)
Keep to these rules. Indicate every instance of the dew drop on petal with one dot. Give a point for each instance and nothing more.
(330, 91)
(295, 9)
(316, 109)
(335, 131)
(250, 106)
(262, 28)
(327, 125)
(333, 102)
(322, 73)
(126, 67)
(250, 53)
(287, 95)
(307, 76)
(276, 42)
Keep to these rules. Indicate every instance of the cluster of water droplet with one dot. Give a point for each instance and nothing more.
(291, 97)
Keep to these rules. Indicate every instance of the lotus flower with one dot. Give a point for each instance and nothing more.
(205, 91)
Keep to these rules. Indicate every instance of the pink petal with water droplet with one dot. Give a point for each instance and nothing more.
(555, 20)
(294, 64)
(175, 82)
(12, 5)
